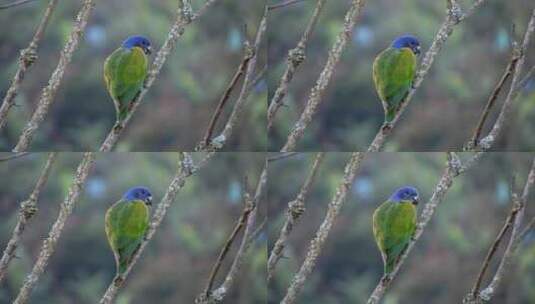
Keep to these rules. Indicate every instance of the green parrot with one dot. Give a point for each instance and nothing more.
(393, 73)
(126, 225)
(125, 71)
(394, 223)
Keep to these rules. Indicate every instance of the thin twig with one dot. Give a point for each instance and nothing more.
(14, 156)
(185, 169)
(284, 4)
(295, 209)
(184, 18)
(492, 99)
(50, 243)
(48, 93)
(219, 294)
(249, 53)
(28, 208)
(242, 221)
(14, 3)
(487, 293)
(316, 244)
(296, 56)
(247, 85)
(28, 56)
(317, 92)
(494, 247)
(454, 16)
(514, 89)
(453, 168)
(280, 156)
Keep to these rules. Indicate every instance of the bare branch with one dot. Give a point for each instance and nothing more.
(316, 245)
(219, 294)
(12, 156)
(49, 92)
(28, 208)
(218, 142)
(514, 89)
(492, 99)
(184, 18)
(487, 293)
(49, 244)
(14, 3)
(316, 93)
(453, 169)
(296, 56)
(454, 16)
(249, 53)
(280, 156)
(185, 169)
(295, 210)
(27, 57)
(283, 4)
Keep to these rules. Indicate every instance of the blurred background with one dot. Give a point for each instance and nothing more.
(444, 264)
(452, 94)
(176, 111)
(175, 266)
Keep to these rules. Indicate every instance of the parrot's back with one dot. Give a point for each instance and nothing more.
(393, 226)
(126, 225)
(124, 72)
(393, 73)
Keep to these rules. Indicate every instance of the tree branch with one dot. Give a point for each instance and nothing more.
(49, 244)
(185, 169)
(316, 93)
(514, 89)
(316, 245)
(453, 168)
(283, 4)
(49, 92)
(14, 3)
(218, 142)
(296, 56)
(27, 57)
(12, 156)
(295, 209)
(454, 16)
(519, 206)
(184, 18)
(28, 208)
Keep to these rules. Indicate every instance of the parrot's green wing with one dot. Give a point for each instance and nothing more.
(126, 225)
(393, 73)
(124, 73)
(393, 226)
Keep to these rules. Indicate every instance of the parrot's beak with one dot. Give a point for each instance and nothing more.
(415, 201)
(417, 50)
(149, 201)
(148, 50)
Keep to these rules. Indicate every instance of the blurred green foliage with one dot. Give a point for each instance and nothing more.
(174, 267)
(446, 260)
(444, 111)
(174, 114)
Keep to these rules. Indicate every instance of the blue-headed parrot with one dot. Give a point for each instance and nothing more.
(393, 73)
(125, 71)
(126, 225)
(394, 224)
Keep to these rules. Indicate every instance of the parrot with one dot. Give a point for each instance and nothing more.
(126, 225)
(393, 73)
(394, 224)
(125, 71)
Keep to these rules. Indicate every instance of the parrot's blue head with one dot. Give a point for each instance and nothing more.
(406, 193)
(138, 193)
(407, 41)
(138, 41)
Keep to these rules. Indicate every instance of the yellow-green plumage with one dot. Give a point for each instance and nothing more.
(393, 226)
(393, 73)
(124, 72)
(126, 225)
